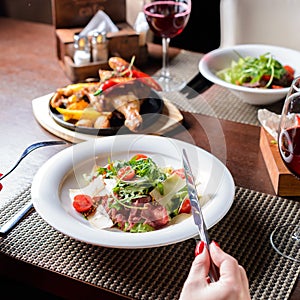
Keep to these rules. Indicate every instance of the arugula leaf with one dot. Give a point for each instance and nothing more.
(257, 71)
(139, 227)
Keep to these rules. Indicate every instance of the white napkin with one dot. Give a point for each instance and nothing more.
(269, 121)
(101, 22)
(141, 26)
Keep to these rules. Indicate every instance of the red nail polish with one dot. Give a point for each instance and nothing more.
(199, 248)
(216, 244)
(1, 186)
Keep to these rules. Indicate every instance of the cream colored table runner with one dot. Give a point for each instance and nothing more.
(216, 101)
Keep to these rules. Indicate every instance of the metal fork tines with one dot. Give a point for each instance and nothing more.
(28, 206)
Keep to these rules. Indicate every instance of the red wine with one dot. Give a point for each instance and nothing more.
(289, 148)
(167, 18)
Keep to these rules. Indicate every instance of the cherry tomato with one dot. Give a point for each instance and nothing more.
(140, 156)
(289, 69)
(185, 206)
(126, 173)
(266, 77)
(82, 203)
(109, 167)
(276, 87)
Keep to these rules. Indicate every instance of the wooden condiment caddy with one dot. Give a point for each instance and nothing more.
(284, 183)
(71, 16)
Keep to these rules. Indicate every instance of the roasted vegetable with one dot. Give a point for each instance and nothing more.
(124, 72)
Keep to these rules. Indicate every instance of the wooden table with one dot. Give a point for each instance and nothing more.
(29, 69)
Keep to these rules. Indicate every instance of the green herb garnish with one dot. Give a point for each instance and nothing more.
(253, 71)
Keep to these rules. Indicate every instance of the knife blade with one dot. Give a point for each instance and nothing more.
(197, 213)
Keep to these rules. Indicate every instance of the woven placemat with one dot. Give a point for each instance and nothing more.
(158, 273)
(215, 101)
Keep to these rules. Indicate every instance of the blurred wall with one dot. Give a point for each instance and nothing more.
(28, 10)
(202, 33)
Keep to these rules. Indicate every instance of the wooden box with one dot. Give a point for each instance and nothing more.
(284, 183)
(71, 16)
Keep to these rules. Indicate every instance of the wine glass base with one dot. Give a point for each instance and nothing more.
(286, 241)
(170, 84)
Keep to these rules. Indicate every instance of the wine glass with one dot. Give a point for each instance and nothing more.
(167, 19)
(286, 239)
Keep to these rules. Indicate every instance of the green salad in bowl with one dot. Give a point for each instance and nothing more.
(257, 74)
(263, 71)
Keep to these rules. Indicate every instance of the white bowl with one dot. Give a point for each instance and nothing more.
(221, 58)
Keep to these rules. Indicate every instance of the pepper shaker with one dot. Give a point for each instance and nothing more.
(99, 46)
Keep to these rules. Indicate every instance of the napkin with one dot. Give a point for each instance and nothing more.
(141, 26)
(269, 121)
(101, 22)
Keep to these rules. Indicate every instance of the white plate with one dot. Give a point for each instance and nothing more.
(51, 184)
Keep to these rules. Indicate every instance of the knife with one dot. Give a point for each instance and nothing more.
(196, 86)
(11, 223)
(197, 213)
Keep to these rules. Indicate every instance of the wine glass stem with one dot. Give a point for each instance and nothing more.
(165, 59)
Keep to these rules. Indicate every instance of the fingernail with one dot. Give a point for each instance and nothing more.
(199, 248)
(216, 244)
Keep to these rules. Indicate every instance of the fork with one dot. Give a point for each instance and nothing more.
(22, 212)
(30, 149)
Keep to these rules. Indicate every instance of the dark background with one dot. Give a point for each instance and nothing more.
(202, 33)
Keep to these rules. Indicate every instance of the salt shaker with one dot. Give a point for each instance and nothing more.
(99, 46)
(82, 53)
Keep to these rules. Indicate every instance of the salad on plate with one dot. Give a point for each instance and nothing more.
(258, 72)
(134, 195)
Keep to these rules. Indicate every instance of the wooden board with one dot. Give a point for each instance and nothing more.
(284, 183)
(170, 119)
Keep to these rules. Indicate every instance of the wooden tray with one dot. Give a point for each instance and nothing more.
(284, 183)
(70, 17)
(170, 119)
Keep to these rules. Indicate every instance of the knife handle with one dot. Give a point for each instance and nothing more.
(214, 273)
(10, 224)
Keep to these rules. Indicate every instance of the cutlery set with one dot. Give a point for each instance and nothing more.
(21, 213)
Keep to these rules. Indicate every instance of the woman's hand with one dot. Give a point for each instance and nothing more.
(232, 285)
